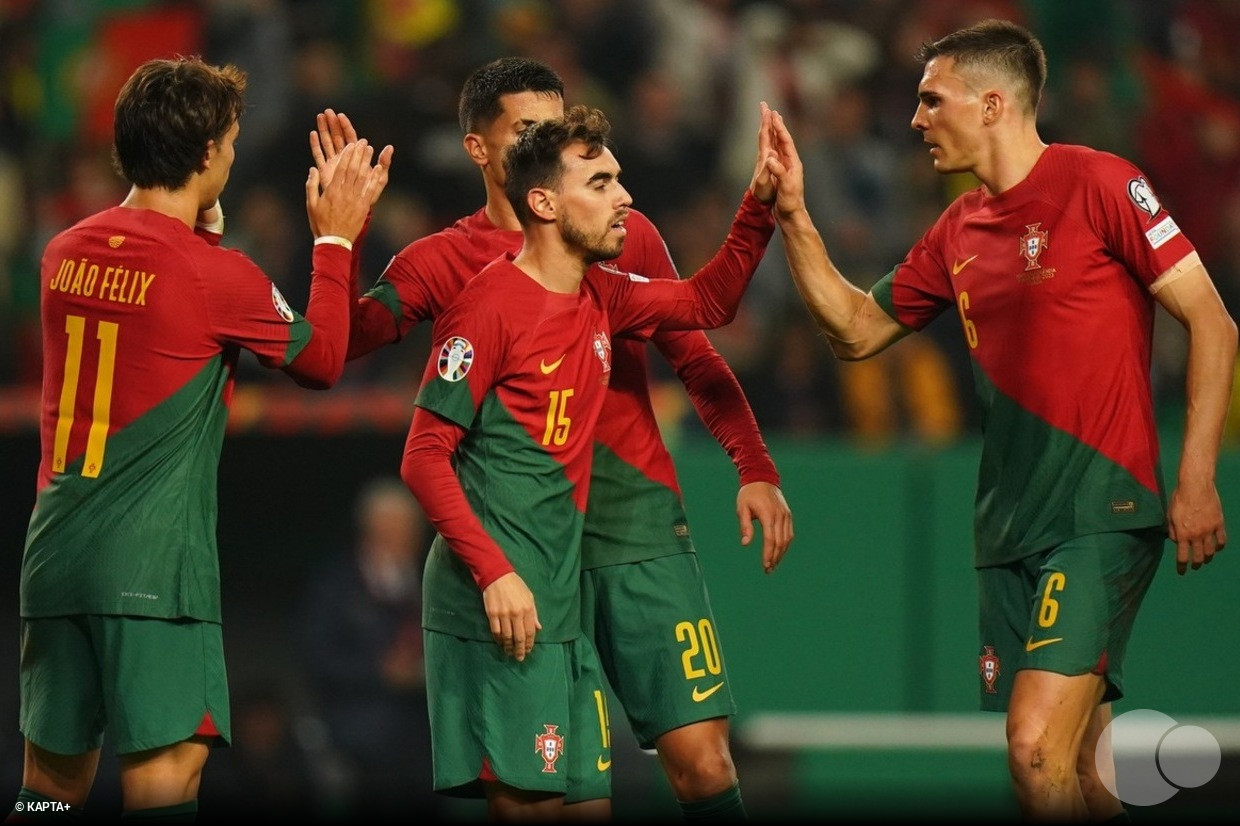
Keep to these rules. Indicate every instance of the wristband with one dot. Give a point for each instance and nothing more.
(334, 239)
(216, 226)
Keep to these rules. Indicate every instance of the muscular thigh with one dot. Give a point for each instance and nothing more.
(657, 639)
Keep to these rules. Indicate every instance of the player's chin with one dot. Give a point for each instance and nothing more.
(608, 250)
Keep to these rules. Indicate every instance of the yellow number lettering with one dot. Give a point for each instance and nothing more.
(558, 420)
(604, 719)
(970, 329)
(685, 632)
(710, 647)
(701, 640)
(1048, 611)
(101, 408)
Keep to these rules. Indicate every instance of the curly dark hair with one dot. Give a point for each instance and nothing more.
(535, 159)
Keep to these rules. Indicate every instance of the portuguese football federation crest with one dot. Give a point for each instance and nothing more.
(549, 746)
(602, 349)
(1032, 244)
(988, 667)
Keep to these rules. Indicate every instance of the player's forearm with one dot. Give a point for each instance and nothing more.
(720, 284)
(833, 302)
(371, 326)
(427, 471)
(319, 365)
(722, 406)
(1210, 373)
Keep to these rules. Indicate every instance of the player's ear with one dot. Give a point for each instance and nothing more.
(993, 104)
(475, 148)
(541, 203)
(212, 148)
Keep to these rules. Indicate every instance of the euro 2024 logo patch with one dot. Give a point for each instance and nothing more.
(455, 358)
(282, 307)
(1142, 195)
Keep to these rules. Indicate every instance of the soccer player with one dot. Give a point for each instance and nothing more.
(144, 316)
(637, 544)
(1053, 267)
(499, 454)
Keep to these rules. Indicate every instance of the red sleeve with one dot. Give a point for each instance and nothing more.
(1131, 221)
(720, 403)
(708, 299)
(371, 326)
(717, 285)
(395, 302)
(212, 238)
(427, 470)
(712, 387)
(919, 289)
(321, 361)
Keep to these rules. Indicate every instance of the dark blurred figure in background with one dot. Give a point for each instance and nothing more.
(362, 647)
(272, 769)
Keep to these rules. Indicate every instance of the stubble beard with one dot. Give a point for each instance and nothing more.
(593, 250)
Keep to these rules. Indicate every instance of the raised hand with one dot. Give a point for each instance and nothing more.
(340, 208)
(785, 165)
(335, 132)
(764, 180)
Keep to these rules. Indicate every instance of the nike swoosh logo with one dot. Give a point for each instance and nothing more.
(548, 369)
(960, 265)
(1030, 645)
(603, 765)
(699, 695)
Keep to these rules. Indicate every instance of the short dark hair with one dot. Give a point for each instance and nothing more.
(998, 45)
(479, 104)
(535, 160)
(167, 112)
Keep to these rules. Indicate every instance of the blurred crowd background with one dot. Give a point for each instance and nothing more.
(1157, 81)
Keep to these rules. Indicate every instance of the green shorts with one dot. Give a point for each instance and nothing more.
(539, 725)
(656, 636)
(148, 682)
(1069, 610)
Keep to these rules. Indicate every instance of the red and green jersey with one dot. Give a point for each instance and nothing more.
(516, 382)
(143, 321)
(636, 510)
(1051, 281)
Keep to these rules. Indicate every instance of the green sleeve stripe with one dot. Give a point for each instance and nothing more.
(298, 336)
(451, 400)
(882, 293)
